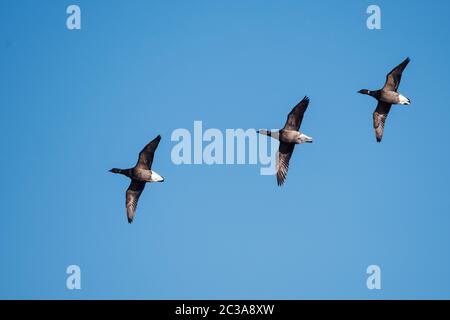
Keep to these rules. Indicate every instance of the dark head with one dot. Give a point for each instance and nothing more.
(364, 91)
(115, 170)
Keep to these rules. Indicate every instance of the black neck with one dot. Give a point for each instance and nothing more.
(125, 172)
(375, 94)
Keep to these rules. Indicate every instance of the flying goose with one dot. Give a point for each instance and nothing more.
(140, 174)
(387, 96)
(289, 136)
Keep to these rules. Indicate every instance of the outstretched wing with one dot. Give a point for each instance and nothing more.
(146, 155)
(395, 76)
(295, 117)
(133, 193)
(379, 118)
(283, 156)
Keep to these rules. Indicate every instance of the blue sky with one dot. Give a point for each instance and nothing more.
(76, 103)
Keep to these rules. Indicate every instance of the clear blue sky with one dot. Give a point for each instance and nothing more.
(76, 103)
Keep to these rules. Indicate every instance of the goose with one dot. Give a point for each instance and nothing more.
(289, 136)
(387, 96)
(140, 174)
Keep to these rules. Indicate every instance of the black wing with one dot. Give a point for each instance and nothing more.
(295, 117)
(379, 118)
(146, 155)
(393, 78)
(284, 155)
(133, 193)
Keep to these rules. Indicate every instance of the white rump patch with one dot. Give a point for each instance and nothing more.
(403, 100)
(156, 177)
(304, 138)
